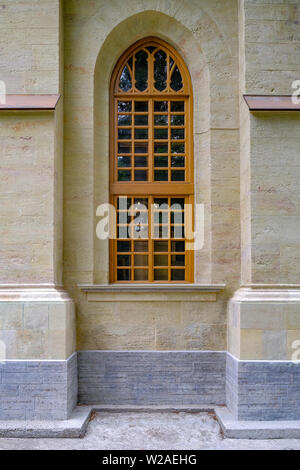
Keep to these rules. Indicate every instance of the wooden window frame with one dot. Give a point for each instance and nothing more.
(152, 188)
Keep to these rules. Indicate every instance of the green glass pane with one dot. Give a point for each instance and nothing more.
(141, 106)
(160, 148)
(141, 120)
(140, 161)
(141, 274)
(160, 133)
(123, 260)
(160, 175)
(141, 133)
(124, 147)
(141, 260)
(178, 175)
(124, 202)
(124, 119)
(178, 247)
(177, 134)
(124, 175)
(161, 161)
(161, 119)
(140, 175)
(160, 106)
(177, 161)
(160, 274)
(124, 134)
(177, 106)
(123, 275)
(123, 246)
(140, 246)
(141, 147)
(124, 161)
(177, 119)
(177, 260)
(160, 246)
(177, 148)
(178, 275)
(161, 260)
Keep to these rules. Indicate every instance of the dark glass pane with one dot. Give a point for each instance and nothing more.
(161, 260)
(161, 119)
(141, 70)
(177, 260)
(177, 148)
(160, 106)
(160, 70)
(160, 175)
(124, 260)
(141, 106)
(160, 148)
(123, 246)
(171, 62)
(160, 133)
(177, 134)
(140, 200)
(124, 202)
(177, 119)
(140, 161)
(178, 247)
(123, 275)
(178, 275)
(124, 147)
(124, 175)
(141, 133)
(177, 201)
(161, 161)
(140, 175)
(177, 161)
(124, 106)
(141, 274)
(177, 105)
(160, 274)
(125, 79)
(124, 134)
(124, 119)
(130, 62)
(161, 202)
(141, 260)
(176, 80)
(140, 246)
(141, 120)
(160, 246)
(124, 161)
(178, 175)
(141, 147)
(151, 48)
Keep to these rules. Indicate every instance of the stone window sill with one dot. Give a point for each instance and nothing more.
(151, 292)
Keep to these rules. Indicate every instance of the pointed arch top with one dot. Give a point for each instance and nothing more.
(151, 66)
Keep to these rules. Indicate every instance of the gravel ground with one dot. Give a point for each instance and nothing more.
(155, 431)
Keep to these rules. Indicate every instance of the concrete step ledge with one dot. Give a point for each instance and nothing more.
(74, 427)
(234, 429)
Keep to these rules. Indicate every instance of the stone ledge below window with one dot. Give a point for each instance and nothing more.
(151, 292)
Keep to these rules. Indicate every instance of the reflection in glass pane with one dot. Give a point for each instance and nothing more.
(141, 147)
(141, 246)
(122, 231)
(177, 161)
(161, 161)
(160, 175)
(124, 134)
(123, 246)
(160, 106)
(124, 161)
(177, 148)
(124, 202)
(141, 133)
(141, 120)
(160, 246)
(160, 148)
(176, 80)
(123, 217)
(123, 275)
(178, 247)
(124, 147)
(123, 260)
(177, 260)
(124, 119)
(177, 217)
(141, 106)
(141, 70)
(161, 260)
(177, 119)
(124, 175)
(160, 274)
(141, 274)
(160, 133)
(177, 201)
(141, 260)
(125, 79)
(161, 119)
(177, 275)
(140, 175)
(138, 201)
(124, 106)
(161, 202)
(177, 106)
(177, 134)
(160, 70)
(178, 175)
(140, 161)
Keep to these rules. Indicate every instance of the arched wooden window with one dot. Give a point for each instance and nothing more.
(151, 165)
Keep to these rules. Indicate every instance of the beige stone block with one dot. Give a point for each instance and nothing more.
(293, 345)
(168, 337)
(36, 316)
(274, 345)
(251, 345)
(292, 316)
(11, 316)
(262, 316)
(31, 344)
(205, 337)
(55, 345)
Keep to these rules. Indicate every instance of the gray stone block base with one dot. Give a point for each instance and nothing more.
(236, 429)
(74, 427)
